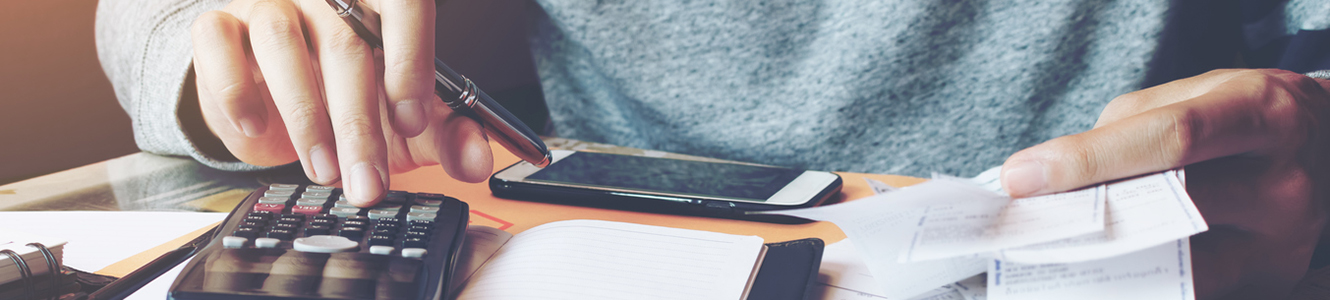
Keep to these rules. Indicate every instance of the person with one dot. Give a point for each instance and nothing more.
(1062, 95)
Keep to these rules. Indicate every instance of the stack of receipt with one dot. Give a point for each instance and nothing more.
(1121, 240)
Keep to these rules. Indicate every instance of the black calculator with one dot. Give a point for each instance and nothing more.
(289, 241)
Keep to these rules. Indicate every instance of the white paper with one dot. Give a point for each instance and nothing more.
(1142, 212)
(881, 225)
(879, 187)
(585, 259)
(844, 276)
(1160, 272)
(100, 238)
(992, 223)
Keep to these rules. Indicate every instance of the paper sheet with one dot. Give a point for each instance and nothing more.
(844, 276)
(1160, 272)
(1142, 212)
(992, 223)
(882, 225)
(88, 232)
(880, 187)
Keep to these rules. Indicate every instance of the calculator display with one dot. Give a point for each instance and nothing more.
(672, 176)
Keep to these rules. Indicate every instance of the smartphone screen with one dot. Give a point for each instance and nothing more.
(753, 183)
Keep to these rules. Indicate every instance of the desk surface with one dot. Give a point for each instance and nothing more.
(147, 182)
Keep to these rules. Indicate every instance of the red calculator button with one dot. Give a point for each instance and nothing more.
(269, 207)
(307, 209)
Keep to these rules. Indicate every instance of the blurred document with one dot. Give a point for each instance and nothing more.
(1160, 272)
(988, 224)
(844, 276)
(883, 225)
(1142, 212)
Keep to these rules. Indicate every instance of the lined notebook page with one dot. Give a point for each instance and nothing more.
(588, 259)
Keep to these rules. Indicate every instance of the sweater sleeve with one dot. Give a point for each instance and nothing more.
(144, 48)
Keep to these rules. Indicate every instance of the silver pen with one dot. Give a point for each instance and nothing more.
(457, 91)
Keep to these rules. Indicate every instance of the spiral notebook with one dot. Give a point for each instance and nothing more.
(26, 261)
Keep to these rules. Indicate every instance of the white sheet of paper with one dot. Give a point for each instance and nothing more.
(880, 187)
(1142, 212)
(882, 225)
(100, 238)
(1160, 272)
(844, 276)
(988, 224)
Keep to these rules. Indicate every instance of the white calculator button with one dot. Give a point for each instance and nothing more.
(278, 193)
(381, 250)
(424, 209)
(319, 188)
(413, 252)
(266, 242)
(420, 216)
(324, 244)
(344, 211)
(283, 187)
(233, 242)
(382, 213)
(273, 200)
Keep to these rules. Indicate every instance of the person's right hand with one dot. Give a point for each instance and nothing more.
(280, 80)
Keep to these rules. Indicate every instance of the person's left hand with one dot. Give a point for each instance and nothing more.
(1254, 143)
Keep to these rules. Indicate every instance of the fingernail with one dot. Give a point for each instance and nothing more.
(1025, 178)
(409, 117)
(365, 184)
(251, 127)
(324, 163)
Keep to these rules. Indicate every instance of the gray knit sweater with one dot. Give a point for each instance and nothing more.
(884, 86)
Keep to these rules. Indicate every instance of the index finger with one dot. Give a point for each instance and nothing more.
(1249, 115)
(408, 55)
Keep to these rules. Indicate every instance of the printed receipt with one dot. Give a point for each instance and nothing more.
(945, 230)
(1159, 272)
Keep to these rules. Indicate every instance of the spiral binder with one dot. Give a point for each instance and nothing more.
(26, 278)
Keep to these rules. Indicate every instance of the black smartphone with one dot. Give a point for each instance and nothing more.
(663, 185)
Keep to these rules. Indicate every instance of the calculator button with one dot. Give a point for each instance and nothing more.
(380, 240)
(413, 252)
(414, 243)
(358, 218)
(248, 233)
(314, 230)
(344, 203)
(381, 250)
(316, 195)
(325, 217)
(287, 226)
(384, 232)
(388, 220)
(256, 219)
(266, 242)
(397, 194)
(344, 212)
(428, 202)
(252, 224)
(233, 242)
(269, 207)
(426, 223)
(324, 244)
(417, 227)
(353, 233)
(273, 200)
(310, 202)
(382, 213)
(283, 186)
(320, 188)
(290, 220)
(282, 234)
(278, 193)
(307, 209)
(394, 200)
(417, 234)
(356, 224)
(322, 222)
(431, 196)
(420, 216)
(424, 209)
(262, 214)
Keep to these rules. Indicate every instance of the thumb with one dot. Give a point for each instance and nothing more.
(1164, 138)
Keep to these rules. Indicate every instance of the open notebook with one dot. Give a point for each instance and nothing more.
(588, 259)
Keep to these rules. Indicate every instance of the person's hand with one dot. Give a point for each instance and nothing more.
(1254, 146)
(281, 80)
